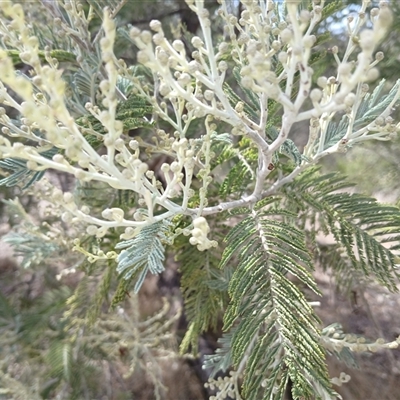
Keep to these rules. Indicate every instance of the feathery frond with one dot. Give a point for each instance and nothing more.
(372, 105)
(276, 330)
(33, 248)
(368, 231)
(200, 285)
(144, 253)
(222, 359)
(20, 173)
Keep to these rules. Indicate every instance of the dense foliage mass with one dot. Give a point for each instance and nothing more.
(192, 150)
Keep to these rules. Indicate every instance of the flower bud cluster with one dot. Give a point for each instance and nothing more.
(199, 235)
(226, 387)
(192, 81)
(343, 378)
(182, 166)
(108, 86)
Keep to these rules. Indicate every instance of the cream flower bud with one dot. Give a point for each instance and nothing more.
(247, 82)
(239, 107)
(175, 167)
(372, 75)
(201, 223)
(146, 37)
(304, 16)
(365, 87)
(223, 47)
(315, 95)
(286, 35)
(197, 233)
(199, 112)
(117, 214)
(66, 217)
(58, 158)
(91, 230)
(276, 31)
(338, 98)
(158, 39)
(85, 209)
(119, 144)
(193, 66)
(276, 45)
(367, 40)
(178, 45)
(197, 42)
(283, 57)
(164, 89)
(374, 12)
(344, 68)
(155, 25)
(172, 62)
(209, 95)
(163, 57)
(309, 41)
(222, 66)
(142, 57)
(184, 79)
(57, 195)
(317, 10)
(350, 99)
(165, 168)
(30, 164)
(134, 144)
(193, 241)
(68, 197)
(134, 32)
(382, 23)
(80, 175)
(104, 86)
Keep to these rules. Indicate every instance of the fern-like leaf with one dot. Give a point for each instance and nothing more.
(369, 232)
(222, 359)
(33, 248)
(20, 173)
(370, 108)
(201, 283)
(143, 254)
(275, 328)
